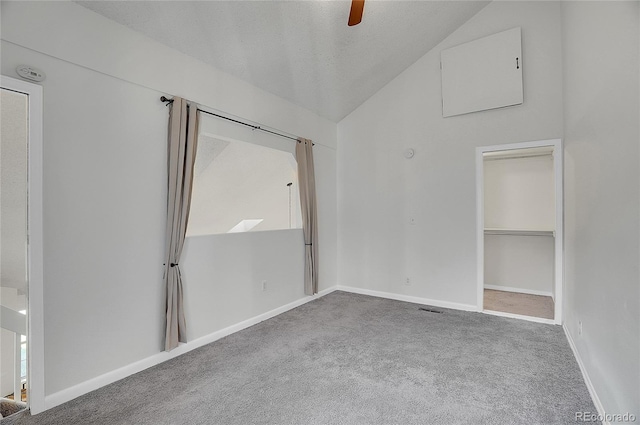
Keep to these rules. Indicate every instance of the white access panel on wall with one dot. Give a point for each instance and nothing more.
(482, 74)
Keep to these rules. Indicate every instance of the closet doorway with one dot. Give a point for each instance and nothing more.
(21, 248)
(519, 230)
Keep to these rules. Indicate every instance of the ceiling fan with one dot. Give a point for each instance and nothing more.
(355, 16)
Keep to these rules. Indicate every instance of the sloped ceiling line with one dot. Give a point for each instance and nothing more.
(302, 51)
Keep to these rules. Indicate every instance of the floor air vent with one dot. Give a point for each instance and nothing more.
(430, 310)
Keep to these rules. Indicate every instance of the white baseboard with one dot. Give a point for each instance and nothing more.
(75, 391)
(408, 298)
(585, 375)
(519, 290)
(82, 388)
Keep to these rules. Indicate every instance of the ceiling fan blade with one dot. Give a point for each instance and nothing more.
(355, 16)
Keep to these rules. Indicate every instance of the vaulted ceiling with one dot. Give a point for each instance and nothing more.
(302, 51)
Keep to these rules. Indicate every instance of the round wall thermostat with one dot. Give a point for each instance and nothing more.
(409, 153)
(30, 73)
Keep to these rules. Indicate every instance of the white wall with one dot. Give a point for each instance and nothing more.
(601, 92)
(13, 190)
(523, 263)
(519, 193)
(105, 172)
(104, 192)
(380, 190)
(229, 270)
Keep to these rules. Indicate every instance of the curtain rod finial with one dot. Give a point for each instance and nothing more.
(165, 99)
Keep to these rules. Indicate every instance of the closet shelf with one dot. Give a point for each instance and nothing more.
(519, 232)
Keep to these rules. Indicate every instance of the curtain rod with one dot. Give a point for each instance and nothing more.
(255, 127)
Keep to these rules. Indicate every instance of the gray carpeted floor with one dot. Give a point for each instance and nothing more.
(353, 359)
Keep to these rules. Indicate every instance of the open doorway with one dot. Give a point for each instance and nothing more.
(519, 225)
(21, 289)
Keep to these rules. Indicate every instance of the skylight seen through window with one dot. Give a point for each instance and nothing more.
(241, 187)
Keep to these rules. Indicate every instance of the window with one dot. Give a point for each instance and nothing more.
(23, 358)
(23, 353)
(241, 187)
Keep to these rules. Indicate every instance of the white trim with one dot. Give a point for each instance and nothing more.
(480, 228)
(558, 171)
(559, 201)
(407, 298)
(35, 314)
(585, 375)
(115, 375)
(520, 316)
(519, 290)
(521, 145)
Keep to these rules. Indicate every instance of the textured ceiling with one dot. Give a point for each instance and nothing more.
(302, 51)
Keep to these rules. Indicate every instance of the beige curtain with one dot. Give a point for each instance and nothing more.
(183, 138)
(307, 182)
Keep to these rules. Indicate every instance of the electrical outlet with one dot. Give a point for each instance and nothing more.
(580, 327)
(264, 285)
(407, 281)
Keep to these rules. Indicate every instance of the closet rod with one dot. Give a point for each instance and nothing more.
(255, 127)
(519, 232)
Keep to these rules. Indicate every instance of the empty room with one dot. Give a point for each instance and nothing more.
(320, 212)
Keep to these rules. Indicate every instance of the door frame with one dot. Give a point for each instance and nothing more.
(35, 293)
(559, 215)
